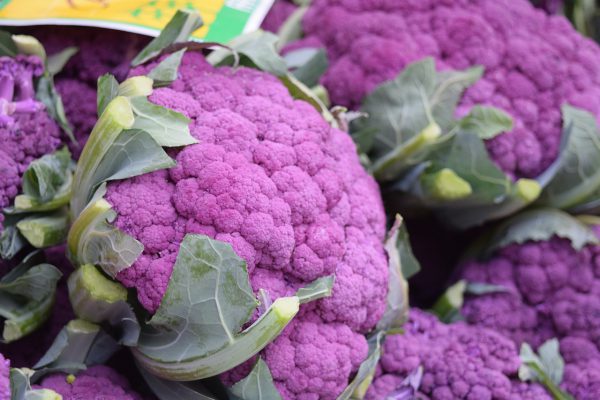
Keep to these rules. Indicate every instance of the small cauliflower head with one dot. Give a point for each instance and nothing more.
(459, 362)
(533, 62)
(270, 177)
(98, 382)
(552, 291)
(26, 130)
(4, 377)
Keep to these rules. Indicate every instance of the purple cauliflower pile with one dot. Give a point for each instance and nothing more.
(533, 62)
(552, 291)
(459, 362)
(270, 177)
(100, 51)
(26, 130)
(277, 15)
(98, 382)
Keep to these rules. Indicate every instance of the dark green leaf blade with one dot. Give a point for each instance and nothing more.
(47, 94)
(56, 62)
(486, 122)
(258, 385)
(366, 372)
(108, 88)
(169, 390)
(178, 29)
(166, 72)
(8, 47)
(318, 289)
(44, 177)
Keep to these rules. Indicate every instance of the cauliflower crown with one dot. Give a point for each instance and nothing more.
(270, 177)
(533, 62)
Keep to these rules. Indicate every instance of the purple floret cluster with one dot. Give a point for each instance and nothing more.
(552, 291)
(26, 130)
(4, 377)
(459, 362)
(100, 51)
(270, 177)
(533, 62)
(98, 382)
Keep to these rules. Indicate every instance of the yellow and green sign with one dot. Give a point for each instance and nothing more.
(223, 19)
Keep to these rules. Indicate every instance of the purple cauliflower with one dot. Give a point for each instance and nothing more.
(26, 130)
(459, 362)
(98, 382)
(270, 177)
(4, 377)
(277, 15)
(533, 62)
(100, 51)
(26, 351)
(552, 291)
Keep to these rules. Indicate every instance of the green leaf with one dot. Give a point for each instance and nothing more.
(45, 176)
(447, 307)
(8, 46)
(26, 297)
(480, 288)
(540, 225)
(45, 230)
(56, 62)
(408, 261)
(291, 29)
(546, 368)
(29, 45)
(258, 385)
(300, 91)
(166, 72)
(486, 122)
(169, 390)
(98, 299)
(178, 29)
(318, 289)
(578, 177)
(20, 384)
(48, 95)
(366, 372)
(195, 334)
(396, 311)
(307, 64)
(11, 240)
(167, 127)
(79, 343)
(108, 89)
(92, 238)
(256, 49)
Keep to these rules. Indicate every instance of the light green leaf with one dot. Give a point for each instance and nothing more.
(20, 384)
(98, 299)
(196, 333)
(366, 372)
(178, 29)
(166, 72)
(578, 178)
(256, 49)
(546, 368)
(108, 89)
(300, 91)
(56, 62)
(169, 390)
(48, 95)
(11, 241)
(539, 225)
(258, 385)
(396, 311)
(291, 29)
(8, 46)
(307, 64)
(167, 127)
(318, 289)
(447, 307)
(30, 46)
(79, 343)
(45, 230)
(26, 297)
(486, 122)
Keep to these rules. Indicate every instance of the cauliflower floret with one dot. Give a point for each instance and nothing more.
(533, 62)
(4, 377)
(287, 191)
(459, 362)
(98, 382)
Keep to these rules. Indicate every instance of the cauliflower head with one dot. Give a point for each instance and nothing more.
(270, 177)
(4, 377)
(98, 382)
(533, 62)
(26, 131)
(459, 362)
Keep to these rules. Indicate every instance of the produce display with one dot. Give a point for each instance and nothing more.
(236, 221)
